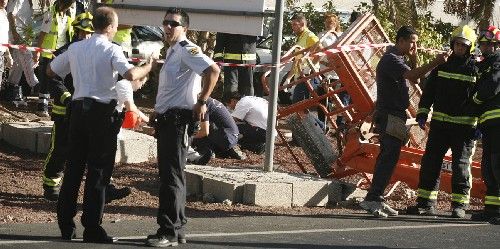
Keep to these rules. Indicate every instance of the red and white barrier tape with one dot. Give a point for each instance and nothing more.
(330, 51)
(26, 48)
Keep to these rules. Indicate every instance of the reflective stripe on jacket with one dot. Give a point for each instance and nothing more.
(448, 89)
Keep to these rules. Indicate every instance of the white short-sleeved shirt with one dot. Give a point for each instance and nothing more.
(23, 14)
(4, 30)
(124, 92)
(327, 39)
(94, 64)
(62, 24)
(180, 76)
(252, 110)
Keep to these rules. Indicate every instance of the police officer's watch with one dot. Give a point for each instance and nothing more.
(201, 102)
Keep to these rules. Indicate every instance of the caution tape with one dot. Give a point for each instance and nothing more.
(23, 47)
(328, 51)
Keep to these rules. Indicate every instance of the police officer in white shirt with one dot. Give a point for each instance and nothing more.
(94, 64)
(250, 113)
(179, 104)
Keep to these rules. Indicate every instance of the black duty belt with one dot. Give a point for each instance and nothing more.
(89, 103)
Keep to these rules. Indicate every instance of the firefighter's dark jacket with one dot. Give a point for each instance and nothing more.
(61, 89)
(487, 98)
(235, 48)
(448, 89)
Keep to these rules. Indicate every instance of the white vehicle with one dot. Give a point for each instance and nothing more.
(146, 41)
(264, 56)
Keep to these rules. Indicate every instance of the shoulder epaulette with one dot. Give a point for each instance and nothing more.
(183, 43)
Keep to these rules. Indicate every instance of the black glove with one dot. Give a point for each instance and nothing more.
(477, 134)
(421, 119)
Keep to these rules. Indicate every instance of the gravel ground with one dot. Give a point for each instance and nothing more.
(21, 185)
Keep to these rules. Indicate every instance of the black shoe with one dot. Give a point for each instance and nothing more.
(204, 159)
(156, 240)
(235, 153)
(260, 148)
(495, 221)
(97, 235)
(483, 216)
(418, 210)
(458, 212)
(68, 234)
(50, 193)
(114, 193)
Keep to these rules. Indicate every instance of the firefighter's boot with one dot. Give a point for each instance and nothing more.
(17, 96)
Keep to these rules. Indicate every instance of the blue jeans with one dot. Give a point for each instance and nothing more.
(300, 92)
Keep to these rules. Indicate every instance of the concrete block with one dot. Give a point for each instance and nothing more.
(135, 147)
(342, 191)
(43, 142)
(194, 183)
(24, 135)
(268, 194)
(310, 193)
(223, 189)
(335, 192)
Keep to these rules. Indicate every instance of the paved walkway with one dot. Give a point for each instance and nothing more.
(318, 231)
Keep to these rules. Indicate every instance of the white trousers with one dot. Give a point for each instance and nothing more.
(23, 62)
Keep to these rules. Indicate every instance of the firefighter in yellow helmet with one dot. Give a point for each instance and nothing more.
(446, 91)
(61, 90)
(486, 103)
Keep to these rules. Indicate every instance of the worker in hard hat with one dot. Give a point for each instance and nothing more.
(486, 101)
(61, 91)
(446, 91)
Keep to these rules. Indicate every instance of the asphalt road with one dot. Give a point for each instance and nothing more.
(329, 231)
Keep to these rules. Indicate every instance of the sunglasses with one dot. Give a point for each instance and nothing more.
(171, 23)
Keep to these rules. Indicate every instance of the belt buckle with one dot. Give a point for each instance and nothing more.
(87, 104)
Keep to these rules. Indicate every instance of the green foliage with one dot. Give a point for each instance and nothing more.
(433, 33)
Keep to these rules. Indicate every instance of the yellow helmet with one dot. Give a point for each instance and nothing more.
(84, 22)
(467, 34)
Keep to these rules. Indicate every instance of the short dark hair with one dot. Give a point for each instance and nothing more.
(405, 32)
(228, 97)
(103, 17)
(299, 17)
(180, 12)
(354, 16)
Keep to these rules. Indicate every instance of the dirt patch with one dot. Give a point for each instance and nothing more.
(21, 191)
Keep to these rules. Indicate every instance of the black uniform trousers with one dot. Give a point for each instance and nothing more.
(173, 129)
(43, 79)
(92, 143)
(442, 136)
(390, 148)
(54, 163)
(218, 140)
(238, 79)
(253, 138)
(490, 165)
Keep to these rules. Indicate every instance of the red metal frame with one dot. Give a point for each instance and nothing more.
(356, 70)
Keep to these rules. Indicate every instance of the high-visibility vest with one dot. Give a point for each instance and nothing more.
(50, 39)
(122, 35)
